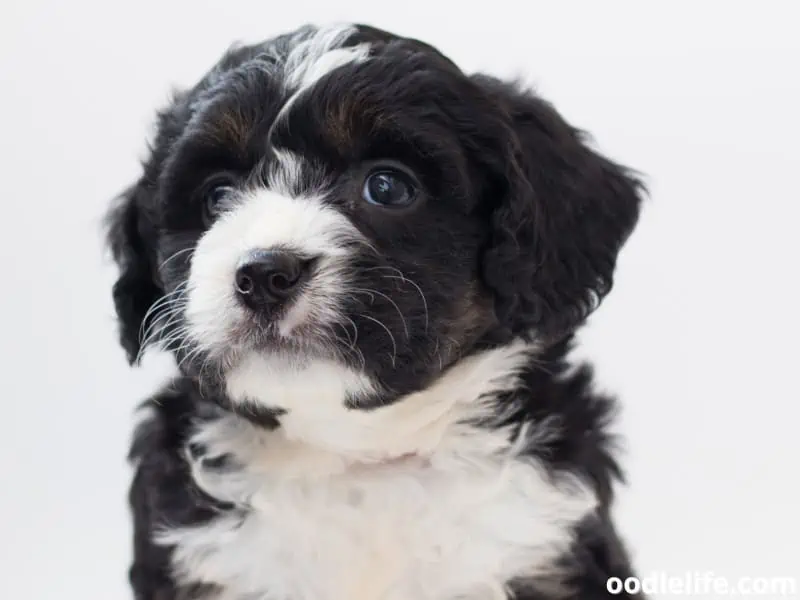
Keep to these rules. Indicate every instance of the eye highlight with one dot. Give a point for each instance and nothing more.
(389, 187)
(215, 193)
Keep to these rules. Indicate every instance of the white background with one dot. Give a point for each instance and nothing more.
(699, 336)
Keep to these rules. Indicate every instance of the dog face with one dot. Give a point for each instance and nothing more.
(347, 210)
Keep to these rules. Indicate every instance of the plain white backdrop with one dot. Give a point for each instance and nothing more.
(699, 336)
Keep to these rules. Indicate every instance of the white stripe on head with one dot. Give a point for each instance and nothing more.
(320, 53)
(315, 56)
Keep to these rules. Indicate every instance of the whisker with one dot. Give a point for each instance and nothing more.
(178, 334)
(356, 350)
(162, 322)
(156, 327)
(158, 304)
(178, 253)
(438, 353)
(190, 355)
(393, 303)
(355, 330)
(403, 277)
(391, 337)
(347, 333)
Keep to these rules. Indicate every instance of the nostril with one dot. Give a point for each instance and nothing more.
(244, 283)
(281, 281)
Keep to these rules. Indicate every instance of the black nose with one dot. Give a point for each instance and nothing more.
(266, 278)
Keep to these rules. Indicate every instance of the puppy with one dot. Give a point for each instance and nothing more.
(369, 267)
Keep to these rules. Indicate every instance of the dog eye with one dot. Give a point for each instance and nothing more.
(390, 188)
(214, 197)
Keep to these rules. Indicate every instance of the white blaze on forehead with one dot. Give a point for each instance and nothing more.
(289, 173)
(320, 53)
(315, 55)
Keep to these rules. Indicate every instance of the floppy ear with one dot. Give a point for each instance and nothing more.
(563, 213)
(136, 289)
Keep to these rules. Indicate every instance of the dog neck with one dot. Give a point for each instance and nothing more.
(314, 411)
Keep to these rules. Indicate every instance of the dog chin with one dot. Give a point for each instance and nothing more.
(300, 347)
(298, 377)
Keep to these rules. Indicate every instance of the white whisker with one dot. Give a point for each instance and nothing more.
(157, 305)
(393, 303)
(403, 277)
(391, 337)
(176, 254)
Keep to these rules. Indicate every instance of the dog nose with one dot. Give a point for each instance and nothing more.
(267, 278)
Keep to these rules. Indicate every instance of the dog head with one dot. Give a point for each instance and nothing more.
(345, 209)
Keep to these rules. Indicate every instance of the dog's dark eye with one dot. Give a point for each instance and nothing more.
(389, 187)
(214, 197)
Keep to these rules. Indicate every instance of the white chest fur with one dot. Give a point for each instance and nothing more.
(441, 529)
(457, 519)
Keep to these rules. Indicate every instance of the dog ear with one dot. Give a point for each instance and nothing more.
(558, 219)
(136, 290)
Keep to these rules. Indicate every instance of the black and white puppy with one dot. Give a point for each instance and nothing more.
(369, 266)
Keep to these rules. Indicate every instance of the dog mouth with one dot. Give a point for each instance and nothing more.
(212, 363)
(264, 335)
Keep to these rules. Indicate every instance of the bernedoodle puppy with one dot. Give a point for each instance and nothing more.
(369, 267)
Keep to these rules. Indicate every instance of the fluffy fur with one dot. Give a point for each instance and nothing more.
(406, 424)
